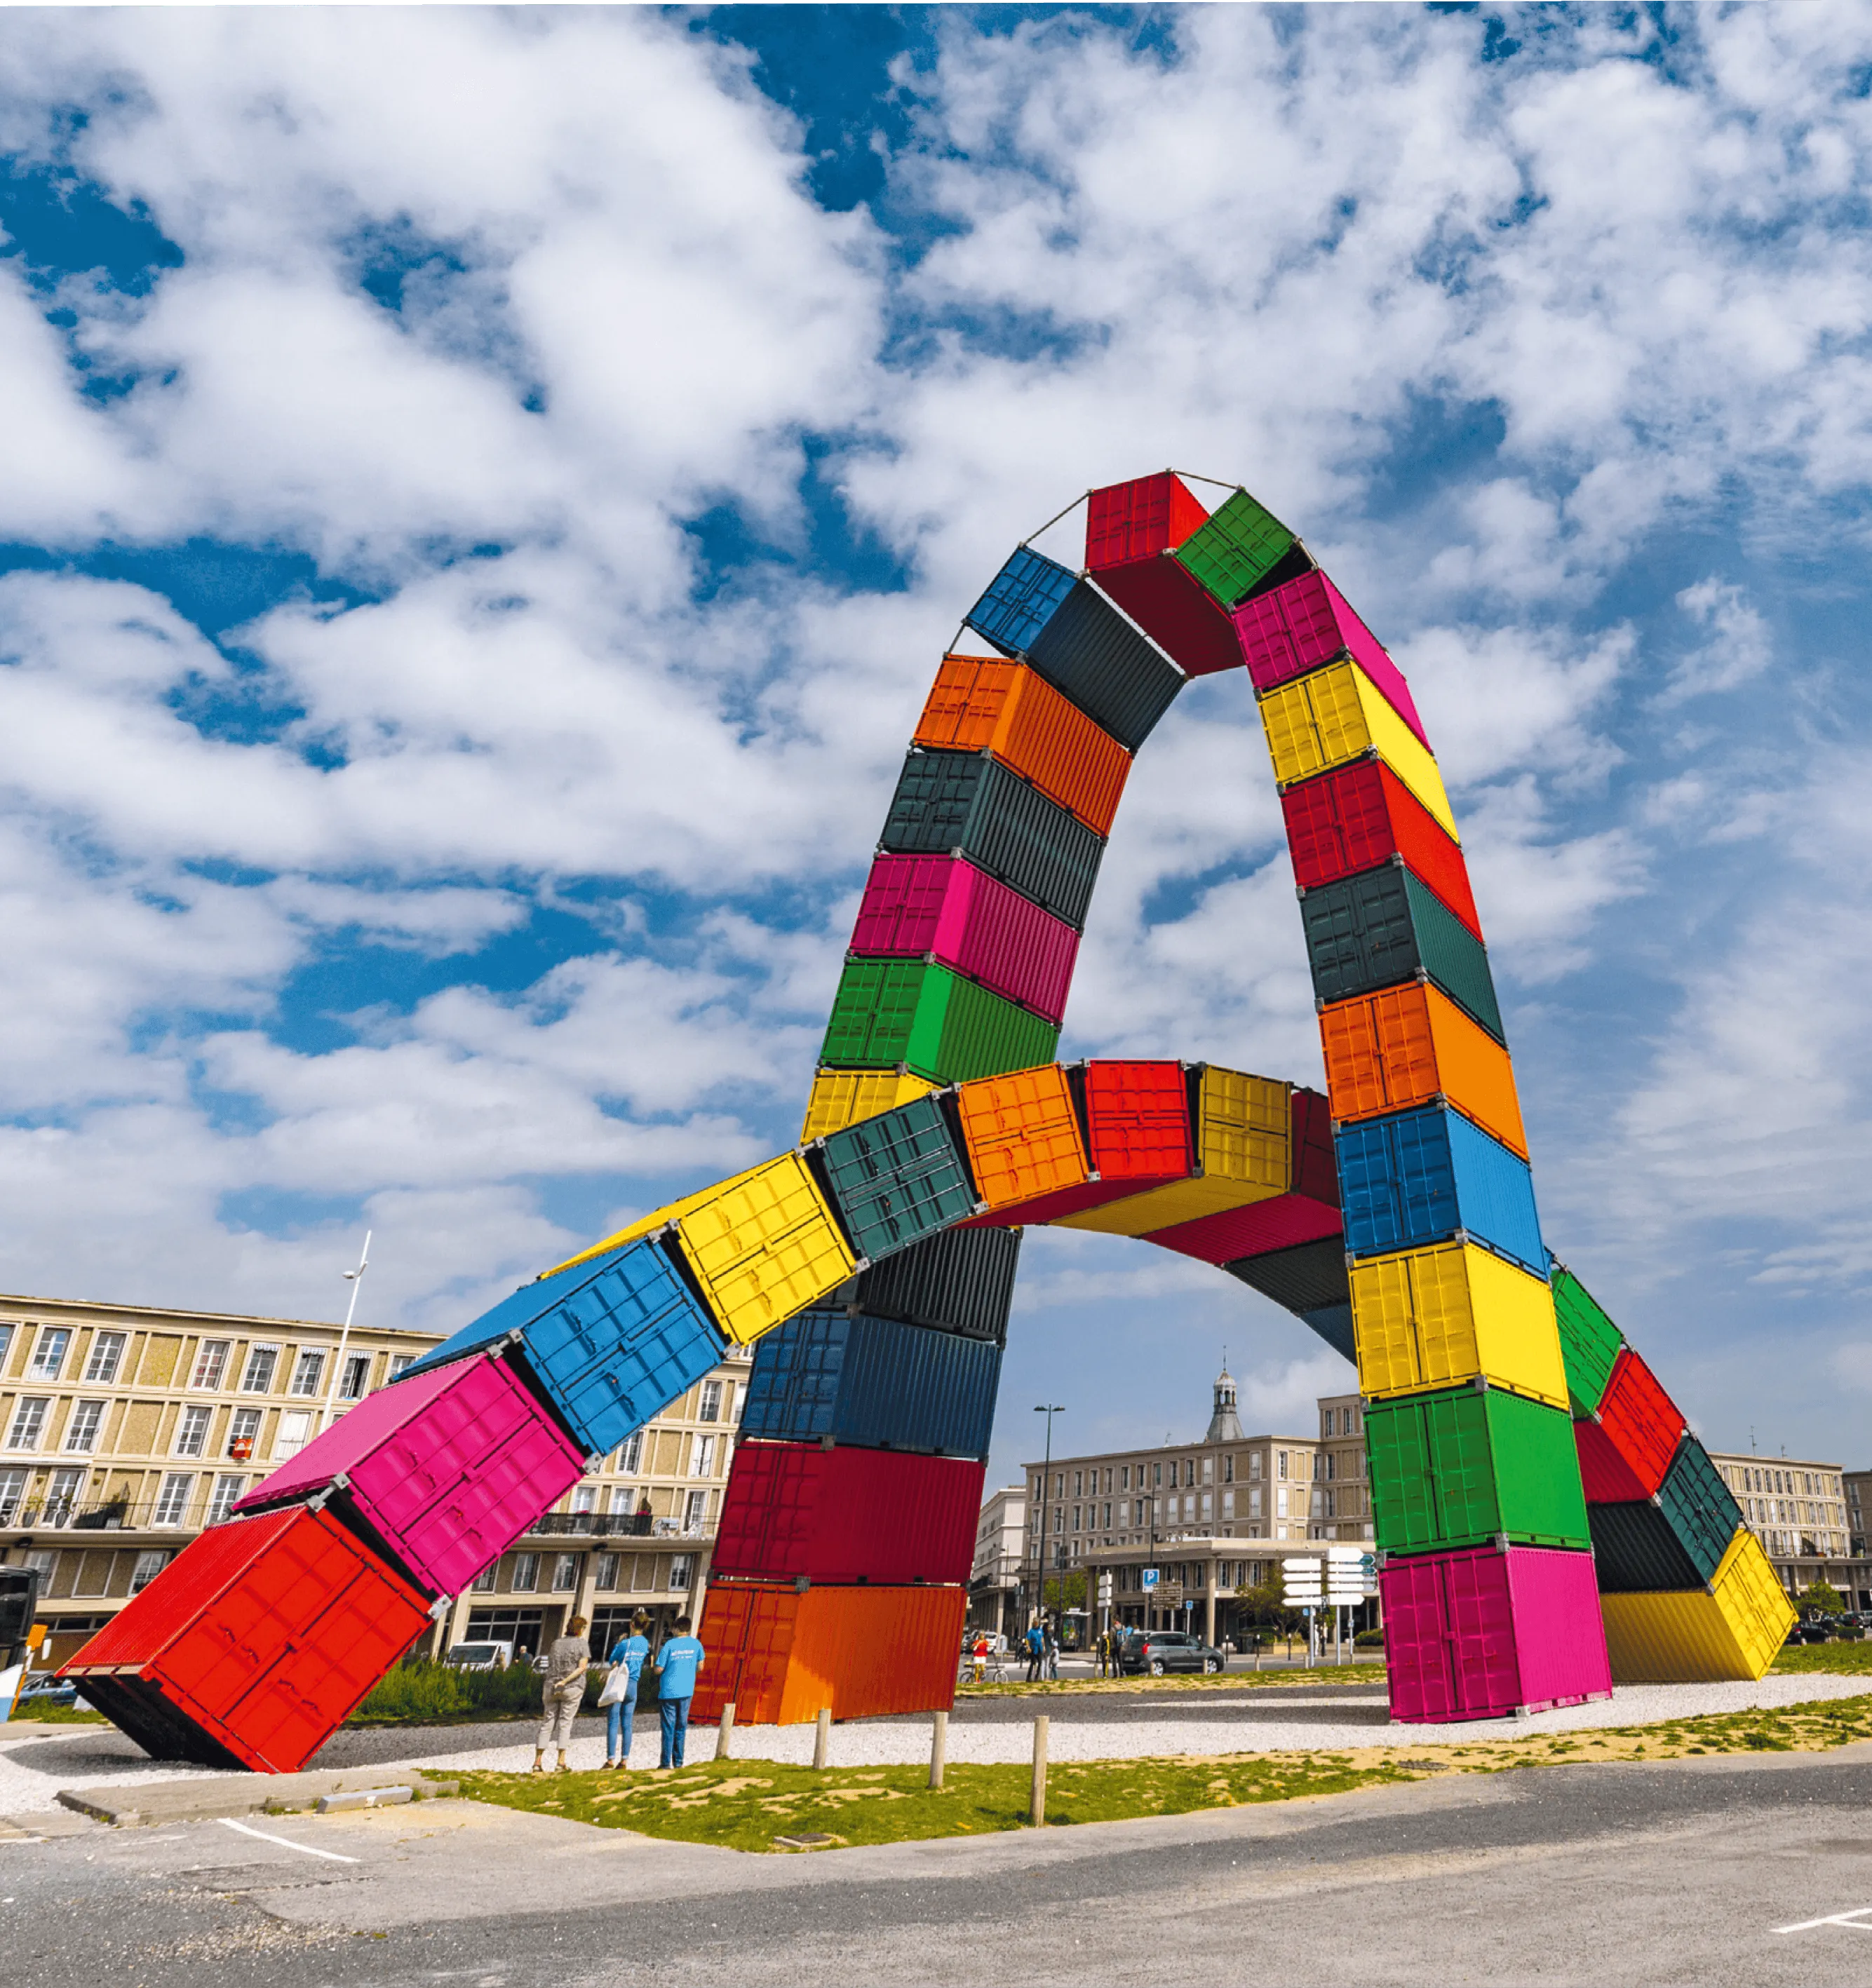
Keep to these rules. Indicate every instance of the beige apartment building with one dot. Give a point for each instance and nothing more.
(995, 1574)
(1800, 1513)
(125, 1430)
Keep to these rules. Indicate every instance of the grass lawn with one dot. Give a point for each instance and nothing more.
(1833, 1659)
(57, 1714)
(1365, 1672)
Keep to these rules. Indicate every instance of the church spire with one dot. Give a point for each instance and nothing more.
(1224, 1425)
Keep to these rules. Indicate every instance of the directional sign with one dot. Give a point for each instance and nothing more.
(1105, 1590)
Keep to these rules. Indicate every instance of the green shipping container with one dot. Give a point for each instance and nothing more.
(1241, 543)
(1463, 1467)
(897, 1178)
(915, 1013)
(1589, 1342)
(1452, 956)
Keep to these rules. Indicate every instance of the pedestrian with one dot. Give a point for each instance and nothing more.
(1036, 1652)
(567, 1663)
(678, 1661)
(1052, 1653)
(619, 1696)
(1105, 1652)
(981, 1656)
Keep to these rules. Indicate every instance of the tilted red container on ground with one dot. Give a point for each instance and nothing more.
(1358, 817)
(1306, 624)
(444, 1471)
(796, 1510)
(1131, 530)
(1487, 1632)
(1625, 1450)
(254, 1645)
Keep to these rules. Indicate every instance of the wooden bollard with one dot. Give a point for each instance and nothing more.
(724, 1739)
(939, 1749)
(822, 1740)
(1037, 1808)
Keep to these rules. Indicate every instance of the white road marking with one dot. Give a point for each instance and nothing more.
(1854, 1919)
(286, 1842)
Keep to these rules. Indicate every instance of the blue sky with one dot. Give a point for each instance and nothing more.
(486, 491)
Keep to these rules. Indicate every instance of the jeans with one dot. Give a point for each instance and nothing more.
(619, 1718)
(675, 1715)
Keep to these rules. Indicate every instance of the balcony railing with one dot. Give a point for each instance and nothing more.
(605, 1525)
(119, 1515)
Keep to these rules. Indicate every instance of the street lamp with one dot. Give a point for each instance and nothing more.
(1049, 1410)
(355, 1278)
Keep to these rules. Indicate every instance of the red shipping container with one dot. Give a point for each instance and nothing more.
(1137, 1121)
(255, 1645)
(1626, 1447)
(1306, 624)
(1062, 1201)
(943, 906)
(783, 1656)
(1131, 530)
(1360, 816)
(442, 1472)
(797, 1511)
(1132, 521)
(1315, 1161)
(1488, 1631)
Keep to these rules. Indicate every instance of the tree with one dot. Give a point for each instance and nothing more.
(1065, 1591)
(1265, 1607)
(1822, 1599)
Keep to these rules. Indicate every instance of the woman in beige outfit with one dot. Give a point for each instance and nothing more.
(567, 1663)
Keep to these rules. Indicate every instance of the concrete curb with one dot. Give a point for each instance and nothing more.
(140, 1803)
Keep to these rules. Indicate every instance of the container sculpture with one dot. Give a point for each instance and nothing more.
(1545, 1521)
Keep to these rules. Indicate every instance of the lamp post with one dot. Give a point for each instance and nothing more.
(1049, 1410)
(355, 1278)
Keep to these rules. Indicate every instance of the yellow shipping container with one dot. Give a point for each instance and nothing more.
(763, 1247)
(1732, 1630)
(1244, 1130)
(648, 1225)
(1436, 1317)
(841, 1097)
(1335, 715)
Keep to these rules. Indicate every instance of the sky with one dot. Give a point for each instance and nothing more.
(486, 492)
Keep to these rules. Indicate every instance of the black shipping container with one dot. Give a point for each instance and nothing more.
(1305, 1279)
(1333, 1323)
(1638, 1551)
(1701, 1510)
(960, 1281)
(1087, 650)
(969, 801)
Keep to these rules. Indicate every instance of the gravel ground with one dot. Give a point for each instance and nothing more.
(1293, 1718)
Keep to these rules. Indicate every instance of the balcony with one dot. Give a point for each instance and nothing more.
(603, 1524)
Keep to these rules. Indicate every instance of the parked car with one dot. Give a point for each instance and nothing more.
(1157, 1650)
(45, 1689)
(489, 1656)
(1808, 1632)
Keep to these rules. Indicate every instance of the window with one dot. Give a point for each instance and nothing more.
(1280, 1502)
(62, 1497)
(259, 1377)
(1208, 1500)
(81, 1431)
(400, 1363)
(1209, 1470)
(225, 1491)
(623, 1498)
(45, 1562)
(1108, 1518)
(29, 1421)
(681, 1568)
(607, 1574)
(12, 1489)
(565, 1573)
(1124, 1477)
(483, 1582)
(107, 1357)
(308, 1373)
(191, 1431)
(1228, 1468)
(295, 1433)
(49, 1355)
(584, 1498)
(172, 1500)
(708, 1409)
(701, 1455)
(695, 1513)
(1124, 1511)
(244, 1427)
(1076, 1510)
(1333, 1508)
(1059, 1483)
(1059, 1519)
(1157, 1474)
(1228, 1504)
(211, 1363)
(1280, 1464)
(526, 1574)
(1332, 1466)
(355, 1377)
(1078, 1484)
(631, 1458)
(6, 1341)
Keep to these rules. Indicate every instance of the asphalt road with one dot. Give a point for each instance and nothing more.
(1672, 1875)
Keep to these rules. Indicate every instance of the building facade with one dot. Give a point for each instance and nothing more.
(1803, 1514)
(995, 1575)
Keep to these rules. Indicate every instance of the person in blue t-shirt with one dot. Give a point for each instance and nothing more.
(631, 1653)
(678, 1661)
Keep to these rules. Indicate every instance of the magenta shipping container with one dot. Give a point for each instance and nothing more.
(445, 1471)
(1480, 1633)
(1306, 623)
(944, 906)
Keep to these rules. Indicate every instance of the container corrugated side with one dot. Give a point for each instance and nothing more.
(1244, 1128)
(1434, 1318)
(1021, 600)
(1453, 957)
(1336, 715)
(1382, 927)
(1733, 1631)
(1631, 1441)
(1135, 519)
(1307, 623)
(1283, 1221)
(982, 1034)
(897, 1178)
(960, 1281)
(1404, 1047)
(1239, 544)
(1638, 1551)
(1137, 1116)
(1023, 1134)
(1494, 1194)
(1308, 1277)
(841, 1097)
(989, 932)
(765, 1250)
(1176, 611)
(1358, 817)
(1701, 1509)
(1589, 1342)
(1089, 651)
(1416, 1177)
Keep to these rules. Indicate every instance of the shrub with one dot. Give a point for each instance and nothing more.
(423, 1693)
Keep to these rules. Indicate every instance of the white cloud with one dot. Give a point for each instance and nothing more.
(1739, 646)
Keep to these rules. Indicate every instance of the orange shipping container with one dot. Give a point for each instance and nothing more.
(783, 1656)
(1407, 1045)
(983, 704)
(1022, 1134)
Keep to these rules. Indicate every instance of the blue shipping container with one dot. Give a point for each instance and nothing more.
(607, 1343)
(873, 1382)
(1423, 1175)
(1021, 600)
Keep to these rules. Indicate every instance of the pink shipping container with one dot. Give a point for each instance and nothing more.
(1282, 1222)
(443, 1471)
(1480, 1634)
(944, 906)
(1305, 624)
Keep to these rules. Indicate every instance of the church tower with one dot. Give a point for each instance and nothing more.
(1224, 1426)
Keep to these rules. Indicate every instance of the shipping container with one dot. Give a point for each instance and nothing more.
(1135, 520)
(1090, 651)
(931, 1020)
(1434, 1318)
(1480, 1634)
(1137, 1117)
(255, 1645)
(1428, 1174)
(605, 1344)
(876, 1382)
(1700, 1507)
(1282, 1222)
(797, 1511)
(1023, 1134)
(966, 804)
(441, 1474)
(1306, 624)
(1131, 531)
(1466, 1466)
(1629, 1442)
(1309, 1277)
(1236, 548)
(1735, 1630)
(895, 1179)
(1315, 1166)
(1383, 929)
(1589, 1342)
(945, 908)
(1676, 1538)
(1334, 1324)
(1356, 817)
(1408, 1046)
(783, 1657)
(982, 704)
(1021, 600)
(841, 1097)
(960, 1281)
(1338, 714)
(1243, 1144)
(762, 1250)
